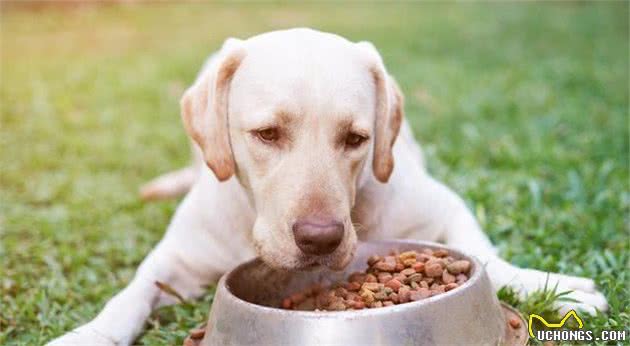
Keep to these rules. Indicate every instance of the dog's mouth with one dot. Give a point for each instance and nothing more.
(335, 261)
(338, 260)
(289, 257)
(316, 263)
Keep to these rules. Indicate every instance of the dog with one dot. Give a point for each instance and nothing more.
(301, 149)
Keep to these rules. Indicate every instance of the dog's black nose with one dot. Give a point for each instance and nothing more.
(317, 236)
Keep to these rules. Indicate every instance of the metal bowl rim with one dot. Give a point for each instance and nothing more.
(255, 308)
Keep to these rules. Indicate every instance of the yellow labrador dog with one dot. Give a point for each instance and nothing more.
(308, 152)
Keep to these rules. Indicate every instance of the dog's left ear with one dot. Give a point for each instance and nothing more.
(389, 113)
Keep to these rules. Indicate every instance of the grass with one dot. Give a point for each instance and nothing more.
(522, 108)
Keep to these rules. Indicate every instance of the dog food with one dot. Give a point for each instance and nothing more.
(195, 336)
(389, 280)
(514, 322)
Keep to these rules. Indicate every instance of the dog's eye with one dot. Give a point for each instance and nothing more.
(268, 135)
(353, 140)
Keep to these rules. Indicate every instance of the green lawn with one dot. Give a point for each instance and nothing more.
(521, 108)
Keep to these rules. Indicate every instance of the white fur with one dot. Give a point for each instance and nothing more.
(212, 228)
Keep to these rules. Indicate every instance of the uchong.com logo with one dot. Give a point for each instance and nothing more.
(553, 331)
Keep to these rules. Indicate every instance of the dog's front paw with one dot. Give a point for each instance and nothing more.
(582, 292)
(82, 336)
(584, 301)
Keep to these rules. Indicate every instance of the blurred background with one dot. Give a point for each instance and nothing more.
(521, 107)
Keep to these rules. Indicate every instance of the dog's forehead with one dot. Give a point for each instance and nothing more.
(313, 74)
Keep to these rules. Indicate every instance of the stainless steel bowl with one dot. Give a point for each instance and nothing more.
(245, 310)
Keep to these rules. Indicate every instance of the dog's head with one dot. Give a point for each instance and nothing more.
(303, 119)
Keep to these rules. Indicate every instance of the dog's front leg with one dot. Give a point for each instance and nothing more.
(459, 229)
(123, 317)
(200, 244)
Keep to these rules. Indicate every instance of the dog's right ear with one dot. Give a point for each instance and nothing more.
(204, 109)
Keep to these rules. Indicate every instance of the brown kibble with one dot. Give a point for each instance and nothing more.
(307, 305)
(403, 294)
(384, 277)
(433, 269)
(515, 322)
(458, 267)
(418, 267)
(337, 306)
(384, 266)
(286, 303)
(352, 286)
(423, 257)
(316, 289)
(447, 278)
(419, 294)
(389, 280)
(417, 277)
(341, 292)
(407, 255)
(440, 261)
(197, 333)
(297, 298)
(409, 262)
(372, 286)
(391, 261)
(399, 277)
(323, 299)
(437, 290)
(393, 284)
(373, 260)
(440, 253)
(408, 271)
(380, 295)
(367, 295)
(357, 277)
(358, 305)
(450, 286)
(353, 296)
